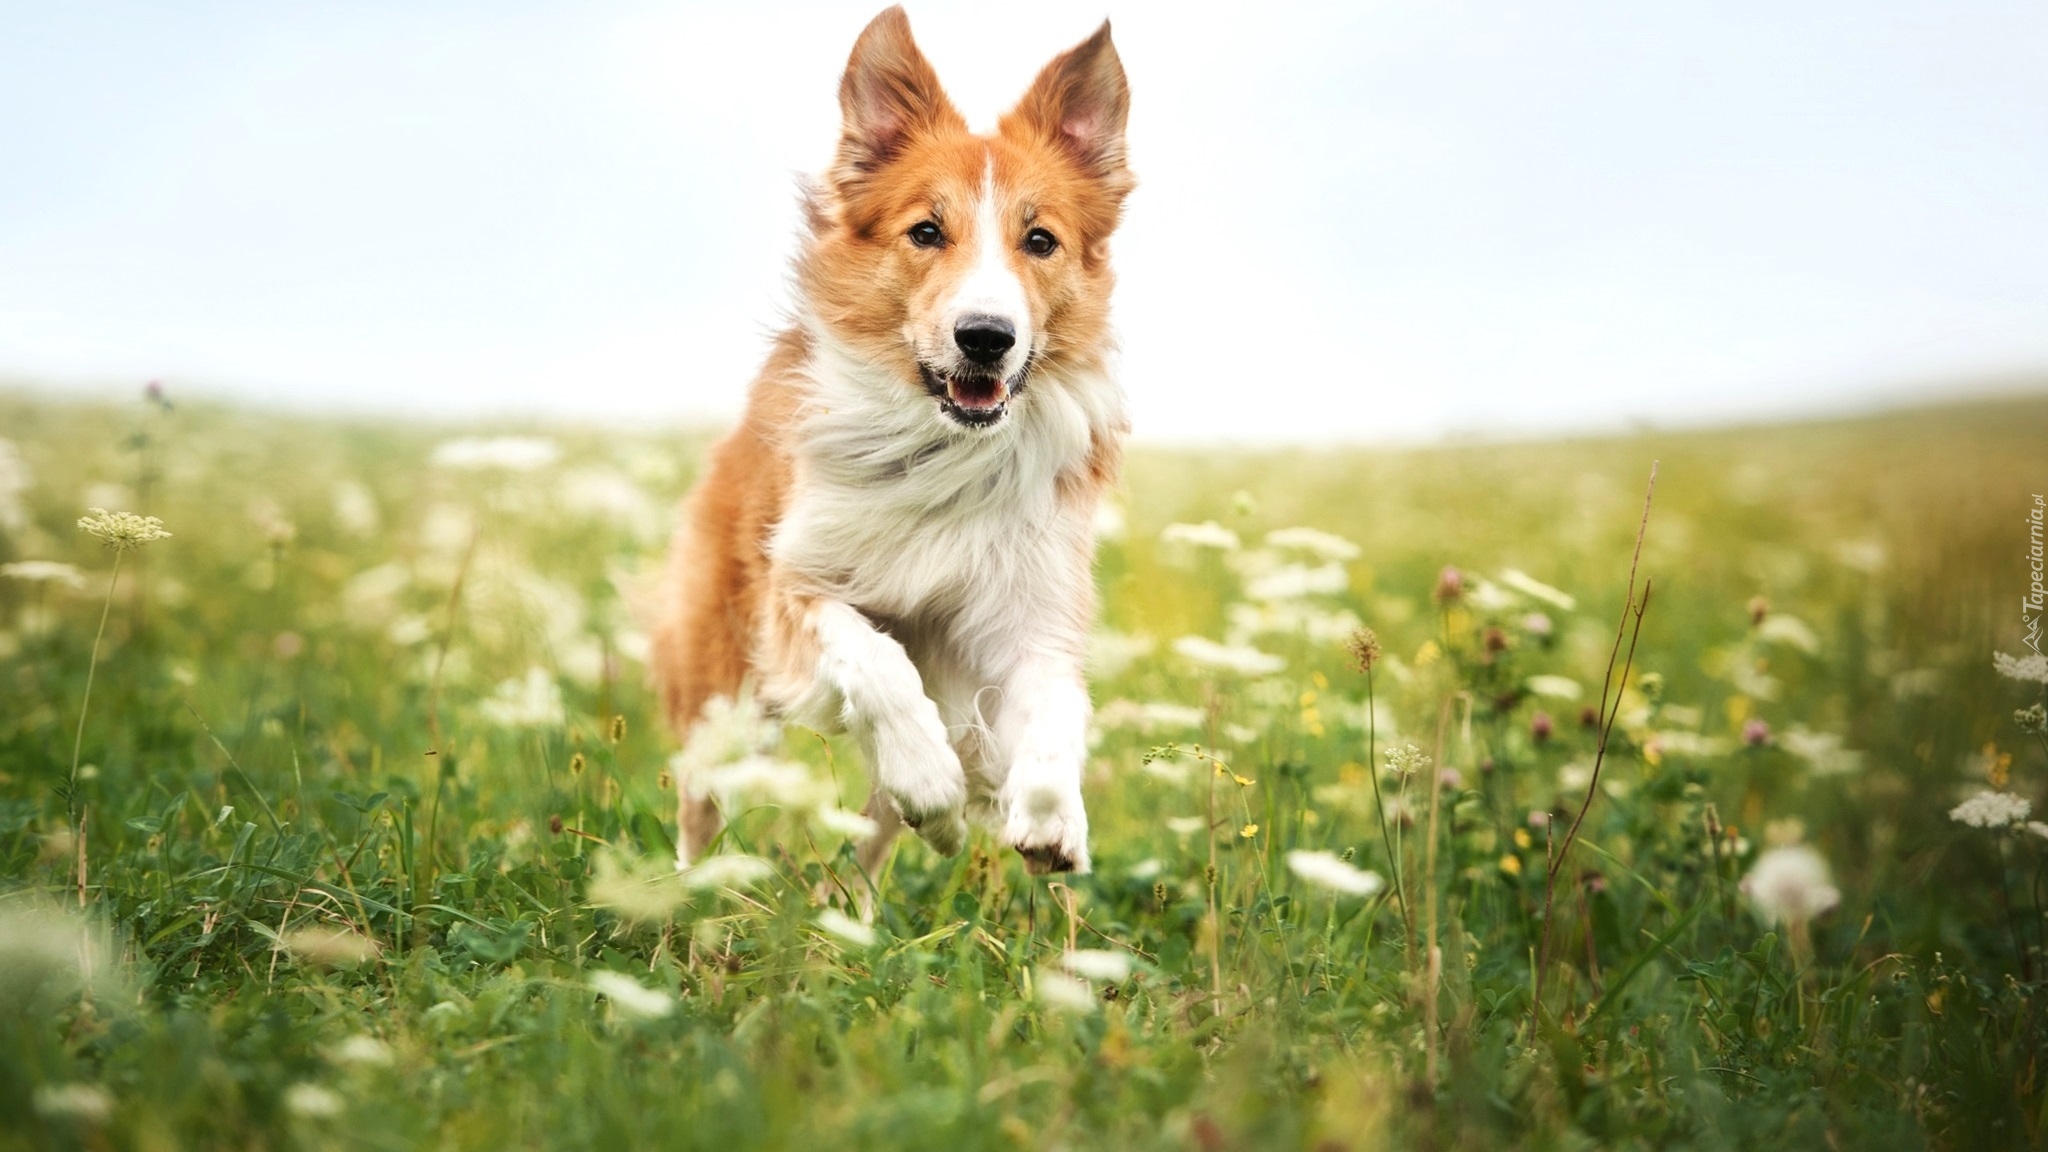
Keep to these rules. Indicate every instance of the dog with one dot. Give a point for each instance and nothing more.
(897, 539)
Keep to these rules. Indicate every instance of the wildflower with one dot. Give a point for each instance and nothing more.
(727, 872)
(1528, 585)
(1823, 752)
(1207, 534)
(1555, 687)
(512, 453)
(1317, 543)
(1758, 609)
(1790, 885)
(1450, 778)
(1522, 838)
(1406, 760)
(1365, 649)
(1789, 630)
(1326, 870)
(636, 890)
(44, 572)
(2033, 668)
(532, 702)
(88, 1103)
(846, 928)
(2034, 719)
(1244, 661)
(123, 531)
(1537, 624)
(1511, 864)
(312, 1101)
(1589, 717)
(1294, 581)
(1450, 586)
(1185, 825)
(1540, 727)
(1097, 964)
(1991, 810)
(1494, 641)
(2038, 828)
(851, 825)
(618, 731)
(631, 997)
(1060, 991)
(330, 947)
(361, 1049)
(1248, 831)
(1756, 733)
(576, 764)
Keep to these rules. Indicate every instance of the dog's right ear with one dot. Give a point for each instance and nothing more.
(888, 95)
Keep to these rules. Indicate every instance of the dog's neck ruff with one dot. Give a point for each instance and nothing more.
(899, 510)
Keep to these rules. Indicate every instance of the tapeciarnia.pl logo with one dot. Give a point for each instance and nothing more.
(2032, 603)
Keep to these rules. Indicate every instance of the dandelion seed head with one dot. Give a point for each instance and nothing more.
(1790, 885)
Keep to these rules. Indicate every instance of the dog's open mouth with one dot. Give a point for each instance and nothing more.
(973, 401)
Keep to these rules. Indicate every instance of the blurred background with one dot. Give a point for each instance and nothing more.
(1357, 222)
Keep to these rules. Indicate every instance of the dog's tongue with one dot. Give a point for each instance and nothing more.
(975, 394)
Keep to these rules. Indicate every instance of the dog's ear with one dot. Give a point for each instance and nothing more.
(1080, 102)
(889, 94)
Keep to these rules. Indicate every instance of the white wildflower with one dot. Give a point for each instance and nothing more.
(2032, 668)
(88, 1103)
(313, 1101)
(1185, 825)
(1109, 653)
(1060, 991)
(756, 780)
(1207, 534)
(1555, 687)
(534, 701)
(1326, 870)
(1991, 810)
(851, 825)
(371, 597)
(1682, 743)
(609, 494)
(1528, 585)
(512, 453)
(1862, 555)
(1790, 885)
(1407, 760)
(45, 572)
(355, 508)
(1294, 581)
(1097, 964)
(1487, 596)
(122, 531)
(1822, 751)
(629, 996)
(1244, 661)
(1150, 716)
(846, 928)
(726, 731)
(729, 872)
(361, 1048)
(636, 890)
(1317, 625)
(329, 947)
(1779, 628)
(1322, 545)
(15, 480)
(2038, 828)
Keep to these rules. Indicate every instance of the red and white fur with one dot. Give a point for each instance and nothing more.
(896, 541)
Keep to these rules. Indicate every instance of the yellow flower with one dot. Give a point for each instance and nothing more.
(1998, 765)
(1308, 699)
(1512, 865)
(1522, 838)
(1321, 681)
(1427, 654)
(1241, 781)
(1248, 831)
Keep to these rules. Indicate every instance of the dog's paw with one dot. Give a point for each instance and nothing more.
(921, 774)
(1045, 822)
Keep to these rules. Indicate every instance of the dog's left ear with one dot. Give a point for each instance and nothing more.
(1080, 102)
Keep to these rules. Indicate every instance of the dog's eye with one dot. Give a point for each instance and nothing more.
(1039, 242)
(926, 235)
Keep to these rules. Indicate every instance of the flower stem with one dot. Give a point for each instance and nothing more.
(78, 741)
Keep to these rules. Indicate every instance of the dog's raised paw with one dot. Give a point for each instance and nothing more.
(1047, 826)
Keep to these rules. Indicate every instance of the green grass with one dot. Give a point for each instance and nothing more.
(257, 769)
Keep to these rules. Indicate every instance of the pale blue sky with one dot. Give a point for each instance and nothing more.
(1355, 221)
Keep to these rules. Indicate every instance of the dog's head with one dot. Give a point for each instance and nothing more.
(959, 266)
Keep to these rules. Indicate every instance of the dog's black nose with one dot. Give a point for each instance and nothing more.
(984, 339)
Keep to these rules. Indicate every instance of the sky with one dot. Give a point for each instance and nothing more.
(1361, 221)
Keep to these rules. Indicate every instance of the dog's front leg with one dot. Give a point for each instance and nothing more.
(1042, 729)
(835, 669)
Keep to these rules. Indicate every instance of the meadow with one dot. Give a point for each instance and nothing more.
(344, 817)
